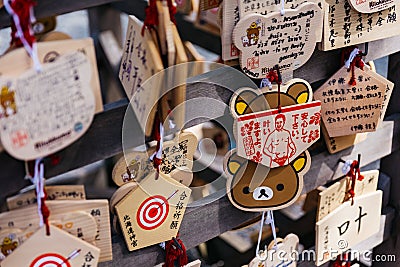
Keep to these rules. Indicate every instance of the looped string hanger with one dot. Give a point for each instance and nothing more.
(38, 179)
(22, 33)
(265, 256)
(271, 221)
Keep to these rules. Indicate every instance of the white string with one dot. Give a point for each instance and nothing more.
(32, 51)
(38, 180)
(353, 54)
(259, 240)
(282, 7)
(271, 221)
(265, 82)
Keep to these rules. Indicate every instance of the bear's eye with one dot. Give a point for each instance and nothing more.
(246, 190)
(280, 187)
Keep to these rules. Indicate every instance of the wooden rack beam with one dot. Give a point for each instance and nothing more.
(104, 137)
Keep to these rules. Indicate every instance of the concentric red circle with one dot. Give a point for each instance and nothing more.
(152, 212)
(50, 260)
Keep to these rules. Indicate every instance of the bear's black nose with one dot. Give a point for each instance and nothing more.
(263, 193)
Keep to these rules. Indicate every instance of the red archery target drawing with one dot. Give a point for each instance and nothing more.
(152, 212)
(50, 260)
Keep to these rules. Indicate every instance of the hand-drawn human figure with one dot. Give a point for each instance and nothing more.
(279, 145)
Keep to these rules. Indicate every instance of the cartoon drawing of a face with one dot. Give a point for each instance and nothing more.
(245, 41)
(252, 186)
(280, 120)
(272, 192)
(7, 101)
(253, 33)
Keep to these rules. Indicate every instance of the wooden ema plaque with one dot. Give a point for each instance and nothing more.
(332, 197)
(339, 143)
(371, 6)
(234, 10)
(140, 61)
(25, 218)
(54, 192)
(344, 26)
(347, 226)
(152, 212)
(42, 113)
(255, 187)
(17, 61)
(177, 155)
(270, 137)
(348, 109)
(288, 40)
(73, 223)
(57, 249)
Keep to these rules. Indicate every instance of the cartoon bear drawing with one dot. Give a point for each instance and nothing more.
(253, 33)
(255, 187)
(7, 101)
(245, 41)
(8, 246)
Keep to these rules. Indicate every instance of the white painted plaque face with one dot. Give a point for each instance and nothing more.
(347, 226)
(332, 197)
(41, 113)
(274, 139)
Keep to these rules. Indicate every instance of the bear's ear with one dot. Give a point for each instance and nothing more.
(242, 102)
(233, 162)
(300, 90)
(302, 163)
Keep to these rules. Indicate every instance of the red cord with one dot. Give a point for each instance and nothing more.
(151, 16)
(354, 170)
(273, 77)
(157, 137)
(357, 62)
(341, 261)
(45, 212)
(172, 11)
(175, 253)
(22, 9)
